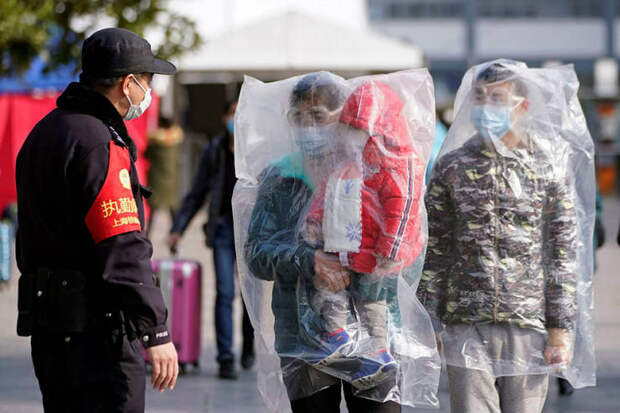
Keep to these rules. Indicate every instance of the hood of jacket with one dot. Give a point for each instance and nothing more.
(377, 109)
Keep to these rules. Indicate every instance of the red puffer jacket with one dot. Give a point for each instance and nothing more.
(393, 181)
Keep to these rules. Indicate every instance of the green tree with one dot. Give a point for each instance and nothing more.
(28, 26)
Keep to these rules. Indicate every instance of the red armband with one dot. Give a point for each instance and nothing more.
(115, 210)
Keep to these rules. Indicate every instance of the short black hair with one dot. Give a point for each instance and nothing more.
(502, 72)
(104, 83)
(318, 86)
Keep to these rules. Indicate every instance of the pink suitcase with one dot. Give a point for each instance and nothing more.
(180, 282)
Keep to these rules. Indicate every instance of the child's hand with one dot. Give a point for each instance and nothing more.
(312, 233)
(385, 265)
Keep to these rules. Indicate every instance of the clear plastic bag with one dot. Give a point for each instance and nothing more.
(511, 213)
(330, 231)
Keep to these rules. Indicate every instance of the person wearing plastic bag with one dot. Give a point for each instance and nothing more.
(290, 226)
(510, 239)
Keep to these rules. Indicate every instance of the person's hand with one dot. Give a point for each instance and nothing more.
(165, 366)
(173, 242)
(331, 282)
(386, 266)
(312, 233)
(329, 274)
(558, 348)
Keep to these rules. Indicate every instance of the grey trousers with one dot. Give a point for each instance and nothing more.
(508, 355)
(477, 391)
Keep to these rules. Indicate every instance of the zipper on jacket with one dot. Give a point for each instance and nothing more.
(498, 176)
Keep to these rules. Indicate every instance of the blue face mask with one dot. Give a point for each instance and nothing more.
(491, 121)
(314, 141)
(230, 125)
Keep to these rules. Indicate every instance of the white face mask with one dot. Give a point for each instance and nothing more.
(136, 111)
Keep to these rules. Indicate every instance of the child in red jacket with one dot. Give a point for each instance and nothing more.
(368, 215)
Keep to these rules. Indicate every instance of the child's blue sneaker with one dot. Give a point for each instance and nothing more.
(374, 371)
(333, 346)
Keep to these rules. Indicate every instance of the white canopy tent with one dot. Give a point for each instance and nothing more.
(274, 48)
(293, 43)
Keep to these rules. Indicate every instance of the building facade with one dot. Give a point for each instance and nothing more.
(455, 34)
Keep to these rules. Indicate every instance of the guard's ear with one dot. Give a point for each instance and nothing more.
(125, 81)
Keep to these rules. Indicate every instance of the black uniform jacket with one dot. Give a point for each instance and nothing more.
(80, 208)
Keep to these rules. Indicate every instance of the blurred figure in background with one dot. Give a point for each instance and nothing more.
(599, 229)
(8, 227)
(163, 153)
(440, 135)
(618, 238)
(216, 176)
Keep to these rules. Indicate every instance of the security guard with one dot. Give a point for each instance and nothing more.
(86, 293)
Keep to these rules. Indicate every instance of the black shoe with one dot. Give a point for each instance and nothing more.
(248, 359)
(564, 387)
(227, 370)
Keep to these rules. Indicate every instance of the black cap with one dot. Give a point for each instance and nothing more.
(115, 52)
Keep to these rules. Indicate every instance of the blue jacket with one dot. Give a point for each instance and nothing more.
(274, 251)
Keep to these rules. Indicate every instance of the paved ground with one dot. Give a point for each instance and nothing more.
(203, 392)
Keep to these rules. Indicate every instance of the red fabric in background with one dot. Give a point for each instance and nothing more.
(19, 113)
